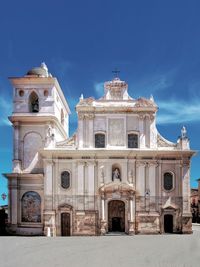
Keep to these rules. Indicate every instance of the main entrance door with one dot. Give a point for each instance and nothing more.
(65, 224)
(116, 216)
(168, 223)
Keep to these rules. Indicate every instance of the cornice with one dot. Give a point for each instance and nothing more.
(39, 118)
(106, 153)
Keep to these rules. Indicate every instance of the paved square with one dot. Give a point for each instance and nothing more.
(134, 251)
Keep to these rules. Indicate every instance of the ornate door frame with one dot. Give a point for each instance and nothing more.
(63, 208)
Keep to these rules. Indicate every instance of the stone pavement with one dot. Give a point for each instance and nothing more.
(114, 251)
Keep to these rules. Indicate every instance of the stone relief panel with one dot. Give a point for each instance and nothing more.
(31, 207)
(132, 123)
(99, 124)
(32, 144)
(85, 223)
(116, 132)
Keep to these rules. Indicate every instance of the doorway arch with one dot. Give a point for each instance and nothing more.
(168, 223)
(116, 216)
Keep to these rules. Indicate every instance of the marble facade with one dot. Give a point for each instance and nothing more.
(115, 174)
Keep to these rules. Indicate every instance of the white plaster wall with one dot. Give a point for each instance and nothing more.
(58, 106)
(152, 180)
(32, 143)
(21, 103)
(153, 134)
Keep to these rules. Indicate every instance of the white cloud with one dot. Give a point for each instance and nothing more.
(177, 111)
(99, 88)
(5, 111)
(152, 83)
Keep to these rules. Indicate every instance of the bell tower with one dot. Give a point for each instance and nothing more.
(40, 117)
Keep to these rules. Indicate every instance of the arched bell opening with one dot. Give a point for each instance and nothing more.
(33, 102)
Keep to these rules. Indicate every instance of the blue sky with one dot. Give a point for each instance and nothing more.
(155, 44)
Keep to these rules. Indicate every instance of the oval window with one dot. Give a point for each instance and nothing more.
(168, 181)
(65, 179)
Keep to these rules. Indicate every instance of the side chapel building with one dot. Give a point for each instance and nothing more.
(115, 174)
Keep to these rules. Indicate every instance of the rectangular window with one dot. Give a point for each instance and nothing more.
(99, 140)
(132, 141)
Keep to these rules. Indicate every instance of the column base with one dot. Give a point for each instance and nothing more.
(131, 230)
(16, 166)
(49, 223)
(103, 227)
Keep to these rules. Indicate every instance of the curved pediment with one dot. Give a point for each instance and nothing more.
(143, 102)
(70, 142)
(162, 142)
(114, 187)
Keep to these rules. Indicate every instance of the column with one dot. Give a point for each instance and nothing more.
(49, 212)
(147, 131)
(142, 130)
(91, 167)
(153, 132)
(81, 169)
(80, 130)
(103, 221)
(16, 161)
(131, 172)
(89, 186)
(91, 131)
(140, 178)
(147, 190)
(186, 216)
(13, 200)
(80, 196)
(132, 212)
(103, 209)
(186, 186)
(152, 178)
(48, 182)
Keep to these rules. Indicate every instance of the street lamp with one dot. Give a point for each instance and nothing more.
(3, 196)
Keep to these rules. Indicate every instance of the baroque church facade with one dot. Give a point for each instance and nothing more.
(115, 174)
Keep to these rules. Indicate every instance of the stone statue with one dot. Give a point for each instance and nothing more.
(49, 136)
(183, 132)
(116, 174)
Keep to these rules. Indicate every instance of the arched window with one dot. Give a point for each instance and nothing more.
(168, 181)
(65, 179)
(31, 207)
(99, 140)
(33, 102)
(132, 140)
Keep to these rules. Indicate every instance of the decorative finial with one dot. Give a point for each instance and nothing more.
(116, 72)
(44, 66)
(183, 132)
(152, 98)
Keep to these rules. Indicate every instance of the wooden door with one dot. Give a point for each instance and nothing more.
(116, 216)
(65, 224)
(168, 223)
